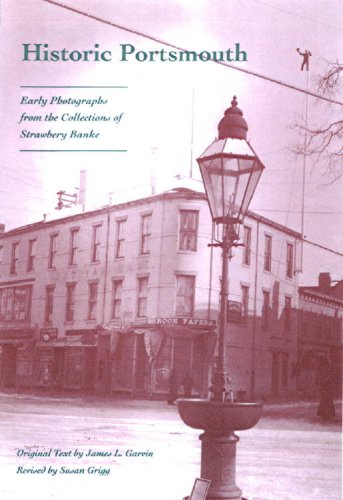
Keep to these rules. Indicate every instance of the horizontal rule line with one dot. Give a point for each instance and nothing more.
(72, 87)
(73, 150)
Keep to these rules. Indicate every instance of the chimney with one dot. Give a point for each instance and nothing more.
(2, 228)
(324, 282)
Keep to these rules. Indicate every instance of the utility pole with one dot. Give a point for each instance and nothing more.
(65, 200)
(305, 65)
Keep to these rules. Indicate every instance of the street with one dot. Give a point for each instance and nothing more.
(124, 449)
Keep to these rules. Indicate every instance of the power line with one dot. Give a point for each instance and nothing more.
(311, 19)
(168, 44)
(323, 248)
(295, 211)
(20, 179)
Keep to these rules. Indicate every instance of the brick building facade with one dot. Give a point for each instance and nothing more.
(112, 300)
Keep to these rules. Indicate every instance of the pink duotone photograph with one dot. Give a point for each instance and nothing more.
(171, 249)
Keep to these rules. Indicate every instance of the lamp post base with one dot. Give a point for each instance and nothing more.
(218, 463)
(218, 442)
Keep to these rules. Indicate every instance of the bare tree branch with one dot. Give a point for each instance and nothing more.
(328, 83)
(324, 145)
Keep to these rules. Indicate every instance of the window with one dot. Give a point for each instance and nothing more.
(70, 303)
(188, 230)
(116, 294)
(267, 253)
(289, 270)
(265, 309)
(288, 314)
(31, 255)
(14, 258)
(120, 241)
(145, 234)
(142, 298)
(93, 299)
(247, 245)
(96, 243)
(52, 251)
(15, 303)
(185, 296)
(245, 303)
(73, 246)
(49, 303)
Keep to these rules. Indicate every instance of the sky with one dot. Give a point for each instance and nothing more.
(169, 111)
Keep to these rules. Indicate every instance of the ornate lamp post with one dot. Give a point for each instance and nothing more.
(230, 170)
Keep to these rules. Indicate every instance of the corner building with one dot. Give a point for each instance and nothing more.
(112, 300)
(320, 335)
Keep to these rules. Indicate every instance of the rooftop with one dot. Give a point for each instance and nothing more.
(176, 193)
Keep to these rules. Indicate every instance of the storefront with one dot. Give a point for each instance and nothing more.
(66, 363)
(15, 346)
(133, 360)
(50, 363)
(141, 359)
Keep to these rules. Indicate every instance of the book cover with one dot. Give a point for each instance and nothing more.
(110, 260)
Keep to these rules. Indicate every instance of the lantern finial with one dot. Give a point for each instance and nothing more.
(233, 125)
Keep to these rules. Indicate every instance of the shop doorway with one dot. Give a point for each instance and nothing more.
(142, 369)
(9, 366)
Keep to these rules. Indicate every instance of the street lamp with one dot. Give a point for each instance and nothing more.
(230, 170)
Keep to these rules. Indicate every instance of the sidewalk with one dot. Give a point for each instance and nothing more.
(292, 414)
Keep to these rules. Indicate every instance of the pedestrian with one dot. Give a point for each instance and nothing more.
(326, 408)
(188, 384)
(173, 386)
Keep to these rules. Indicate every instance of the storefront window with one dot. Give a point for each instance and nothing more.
(15, 303)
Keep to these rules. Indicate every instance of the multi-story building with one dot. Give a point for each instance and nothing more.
(114, 299)
(320, 334)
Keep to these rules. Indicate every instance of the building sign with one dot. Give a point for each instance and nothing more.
(15, 334)
(234, 311)
(80, 331)
(47, 334)
(182, 321)
(117, 325)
